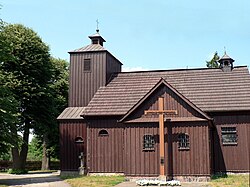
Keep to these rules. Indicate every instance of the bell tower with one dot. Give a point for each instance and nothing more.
(226, 63)
(91, 67)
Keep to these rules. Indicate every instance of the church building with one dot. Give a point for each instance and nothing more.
(178, 123)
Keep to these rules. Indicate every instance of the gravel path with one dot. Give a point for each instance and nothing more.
(30, 180)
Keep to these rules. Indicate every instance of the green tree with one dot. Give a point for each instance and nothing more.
(30, 67)
(213, 63)
(8, 115)
(8, 104)
(51, 106)
(35, 149)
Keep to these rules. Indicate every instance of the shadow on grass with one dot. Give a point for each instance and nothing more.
(219, 176)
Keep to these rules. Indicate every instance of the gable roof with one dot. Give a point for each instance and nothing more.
(209, 89)
(162, 81)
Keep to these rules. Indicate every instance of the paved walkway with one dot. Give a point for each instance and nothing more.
(30, 180)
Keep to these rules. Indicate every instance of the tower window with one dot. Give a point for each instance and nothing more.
(229, 135)
(103, 133)
(86, 65)
(183, 141)
(148, 142)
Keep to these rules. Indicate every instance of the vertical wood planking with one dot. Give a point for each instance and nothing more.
(69, 150)
(107, 151)
(232, 158)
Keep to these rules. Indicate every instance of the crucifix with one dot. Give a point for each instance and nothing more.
(161, 112)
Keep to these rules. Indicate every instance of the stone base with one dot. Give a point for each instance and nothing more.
(192, 178)
(82, 171)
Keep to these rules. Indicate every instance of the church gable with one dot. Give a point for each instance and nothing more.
(173, 100)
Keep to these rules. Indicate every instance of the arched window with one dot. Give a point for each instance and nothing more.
(103, 133)
(183, 141)
(79, 139)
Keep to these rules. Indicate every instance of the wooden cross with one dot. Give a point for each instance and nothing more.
(161, 112)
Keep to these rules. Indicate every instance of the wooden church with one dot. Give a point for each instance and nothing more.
(185, 123)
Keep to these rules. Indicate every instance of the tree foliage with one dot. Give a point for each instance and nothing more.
(8, 104)
(35, 149)
(34, 88)
(27, 60)
(213, 63)
(51, 106)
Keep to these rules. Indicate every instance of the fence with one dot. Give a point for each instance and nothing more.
(30, 165)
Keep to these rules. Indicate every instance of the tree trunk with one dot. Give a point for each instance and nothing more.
(46, 155)
(19, 160)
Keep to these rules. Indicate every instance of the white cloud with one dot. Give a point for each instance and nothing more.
(127, 69)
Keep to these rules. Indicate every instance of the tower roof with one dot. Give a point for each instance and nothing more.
(226, 57)
(96, 44)
(97, 38)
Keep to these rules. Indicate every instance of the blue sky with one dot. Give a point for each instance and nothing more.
(143, 34)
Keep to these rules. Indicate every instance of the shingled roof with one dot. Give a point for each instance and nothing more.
(208, 89)
(89, 48)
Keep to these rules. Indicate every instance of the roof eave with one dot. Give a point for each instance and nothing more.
(162, 81)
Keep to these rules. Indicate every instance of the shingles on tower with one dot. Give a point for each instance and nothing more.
(90, 68)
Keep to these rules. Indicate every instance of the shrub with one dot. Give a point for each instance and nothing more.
(17, 171)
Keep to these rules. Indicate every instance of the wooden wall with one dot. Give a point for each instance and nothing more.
(195, 161)
(232, 158)
(171, 102)
(69, 150)
(84, 84)
(113, 66)
(105, 153)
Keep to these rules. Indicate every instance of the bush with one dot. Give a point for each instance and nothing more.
(17, 171)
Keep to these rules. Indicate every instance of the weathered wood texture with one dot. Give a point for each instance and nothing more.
(171, 102)
(105, 153)
(194, 161)
(84, 84)
(234, 158)
(69, 149)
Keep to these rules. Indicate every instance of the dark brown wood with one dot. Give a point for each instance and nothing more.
(232, 158)
(161, 112)
(191, 92)
(192, 162)
(84, 84)
(69, 149)
(105, 153)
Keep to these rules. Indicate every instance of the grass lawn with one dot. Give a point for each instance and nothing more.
(100, 181)
(230, 181)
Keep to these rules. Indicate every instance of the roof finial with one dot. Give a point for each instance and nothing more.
(97, 26)
(225, 52)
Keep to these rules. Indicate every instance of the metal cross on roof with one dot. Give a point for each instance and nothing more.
(97, 25)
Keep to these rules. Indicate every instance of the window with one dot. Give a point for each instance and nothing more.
(103, 133)
(78, 139)
(86, 65)
(148, 142)
(229, 135)
(183, 141)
